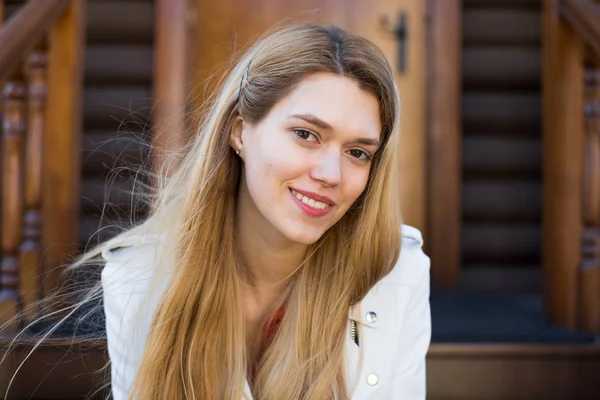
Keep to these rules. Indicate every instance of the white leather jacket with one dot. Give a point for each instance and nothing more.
(395, 321)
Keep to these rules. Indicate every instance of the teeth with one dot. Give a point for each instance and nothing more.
(311, 202)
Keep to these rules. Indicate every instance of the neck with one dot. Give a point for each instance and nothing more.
(270, 259)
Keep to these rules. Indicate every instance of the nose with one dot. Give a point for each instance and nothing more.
(327, 168)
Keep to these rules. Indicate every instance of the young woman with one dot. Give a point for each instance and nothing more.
(274, 264)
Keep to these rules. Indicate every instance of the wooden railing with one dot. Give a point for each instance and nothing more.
(571, 109)
(41, 71)
(583, 16)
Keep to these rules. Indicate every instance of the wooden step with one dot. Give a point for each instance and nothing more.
(117, 21)
(98, 194)
(501, 27)
(503, 200)
(95, 227)
(502, 113)
(119, 64)
(68, 369)
(512, 372)
(102, 151)
(501, 156)
(501, 242)
(535, 4)
(119, 107)
(504, 68)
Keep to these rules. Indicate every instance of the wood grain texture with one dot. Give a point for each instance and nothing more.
(62, 150)
(13, 130)
(444, 137)
(30, 249)
(513, 373)
(367, 20)
(173, 60)
(584, 18)
(25, 30)
(563, 82)
(589, 268)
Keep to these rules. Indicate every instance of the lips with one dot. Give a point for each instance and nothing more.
(315, 196)
(309, 205)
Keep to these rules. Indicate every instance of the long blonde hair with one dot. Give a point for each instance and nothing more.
(201, 352)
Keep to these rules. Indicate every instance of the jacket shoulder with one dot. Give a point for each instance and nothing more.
(132, 270)
(413, 264)
(132, 285)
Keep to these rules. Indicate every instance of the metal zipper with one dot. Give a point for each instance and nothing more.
(353, 336)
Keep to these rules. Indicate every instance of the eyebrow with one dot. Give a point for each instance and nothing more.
(312, 119)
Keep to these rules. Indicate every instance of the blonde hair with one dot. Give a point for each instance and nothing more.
(201, 352)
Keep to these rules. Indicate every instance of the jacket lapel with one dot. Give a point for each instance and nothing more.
(377, 326)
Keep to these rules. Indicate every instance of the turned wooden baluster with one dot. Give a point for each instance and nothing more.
(13, 127)
(30, 252)
(589, 271)
(2, 12)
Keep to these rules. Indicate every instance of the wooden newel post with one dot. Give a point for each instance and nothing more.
(13, 129)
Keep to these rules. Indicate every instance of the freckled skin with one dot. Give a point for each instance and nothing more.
(277, 157)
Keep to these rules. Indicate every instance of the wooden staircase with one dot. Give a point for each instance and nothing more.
(475, 355)
(501, 145)
(116, 116)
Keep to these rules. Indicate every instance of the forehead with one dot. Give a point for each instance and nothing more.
(337, 100)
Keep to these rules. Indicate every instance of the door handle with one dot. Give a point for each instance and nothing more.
(400, 33)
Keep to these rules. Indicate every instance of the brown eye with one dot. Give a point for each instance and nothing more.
(360, 155)
(305, 135)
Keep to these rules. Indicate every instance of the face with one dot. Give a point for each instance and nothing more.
(309, 159)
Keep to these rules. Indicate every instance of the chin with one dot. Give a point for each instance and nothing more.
(303, 236)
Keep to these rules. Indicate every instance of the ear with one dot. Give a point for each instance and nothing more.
(236, 138)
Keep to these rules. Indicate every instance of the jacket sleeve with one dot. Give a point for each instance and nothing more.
(409, 381)
(129, 305)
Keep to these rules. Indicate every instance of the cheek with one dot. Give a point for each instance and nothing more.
(271, 162)
(355, 185)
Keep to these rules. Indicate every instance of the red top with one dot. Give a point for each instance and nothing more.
(268, 332)
(270, 328)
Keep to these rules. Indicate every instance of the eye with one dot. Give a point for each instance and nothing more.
(306, 135)
(360, 154)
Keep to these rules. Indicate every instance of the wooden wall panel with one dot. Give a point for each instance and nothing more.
(444, 136)
(366, 17)
(563, 81)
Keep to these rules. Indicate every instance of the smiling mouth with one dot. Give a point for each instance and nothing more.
(318, 205)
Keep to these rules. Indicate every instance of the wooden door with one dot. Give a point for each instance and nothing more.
(226, 27)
